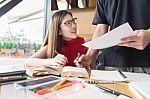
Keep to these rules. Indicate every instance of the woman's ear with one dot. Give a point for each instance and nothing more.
(59, 33)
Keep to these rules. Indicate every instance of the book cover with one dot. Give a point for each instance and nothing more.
(15, 69)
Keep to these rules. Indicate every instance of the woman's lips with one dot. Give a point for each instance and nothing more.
(74, 32)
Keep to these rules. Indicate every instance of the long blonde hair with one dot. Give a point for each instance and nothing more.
(52, 38)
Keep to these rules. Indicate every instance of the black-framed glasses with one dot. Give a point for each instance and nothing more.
(70, 22)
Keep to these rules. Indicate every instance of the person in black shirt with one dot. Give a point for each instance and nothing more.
(132, 52)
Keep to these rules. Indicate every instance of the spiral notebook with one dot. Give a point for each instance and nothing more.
(100, 75)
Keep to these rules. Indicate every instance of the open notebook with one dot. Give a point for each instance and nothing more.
(110, 76)
(99, 75)
(57, 70)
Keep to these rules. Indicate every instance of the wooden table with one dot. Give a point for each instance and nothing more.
(121, 87)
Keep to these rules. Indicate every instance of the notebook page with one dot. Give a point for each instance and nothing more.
(141, 87)
(106, 75)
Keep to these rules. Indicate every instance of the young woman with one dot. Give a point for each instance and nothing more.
(62, 44)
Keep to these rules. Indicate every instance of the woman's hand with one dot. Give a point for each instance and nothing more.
(85, 61)
(59, 60)
(140, 41)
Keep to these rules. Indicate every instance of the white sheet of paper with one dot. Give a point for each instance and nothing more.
(134, 77)
(88, 93)
(101, 75)
(141, 89)
(111, 38)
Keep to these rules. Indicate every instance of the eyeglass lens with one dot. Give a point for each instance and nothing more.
(69, 22)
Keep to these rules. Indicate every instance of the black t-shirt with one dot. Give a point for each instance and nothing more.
(115, 13)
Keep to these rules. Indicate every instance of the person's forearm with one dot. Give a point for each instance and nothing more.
(42, 53)
(149, 34)
(100, 30)
(91, 52)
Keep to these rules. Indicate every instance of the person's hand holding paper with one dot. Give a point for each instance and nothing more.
(139, 41)
(112, 38)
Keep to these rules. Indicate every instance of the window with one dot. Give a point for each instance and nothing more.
(22, 26)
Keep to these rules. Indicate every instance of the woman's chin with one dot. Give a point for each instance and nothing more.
(71, 37)
(74, 37)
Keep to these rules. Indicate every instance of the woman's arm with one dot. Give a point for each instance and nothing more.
(40, 58)
(42, 53)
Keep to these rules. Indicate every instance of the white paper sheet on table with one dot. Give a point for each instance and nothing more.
(140, 89)
(111, 38)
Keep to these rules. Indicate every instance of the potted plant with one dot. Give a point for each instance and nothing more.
(5, 45)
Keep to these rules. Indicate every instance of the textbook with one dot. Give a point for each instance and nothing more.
(56, 70)
(11, 73)
(11, 79)
(7, 70)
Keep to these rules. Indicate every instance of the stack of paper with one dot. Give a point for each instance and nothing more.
(11, 73)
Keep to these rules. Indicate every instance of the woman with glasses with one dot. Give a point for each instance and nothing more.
(62, 44)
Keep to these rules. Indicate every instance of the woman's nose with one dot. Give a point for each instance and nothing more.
(74, 24)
